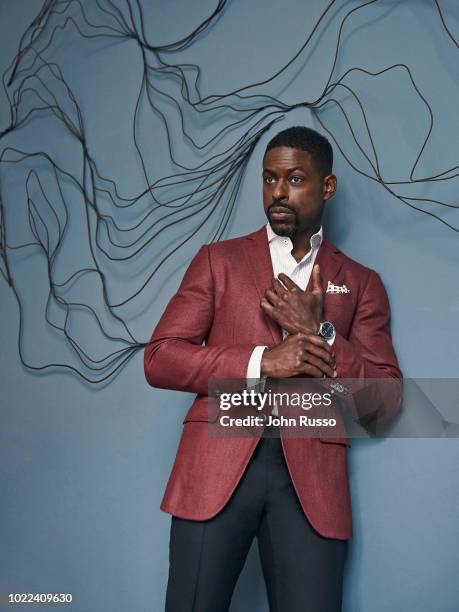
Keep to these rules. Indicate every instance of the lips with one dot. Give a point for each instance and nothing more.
(280, 213)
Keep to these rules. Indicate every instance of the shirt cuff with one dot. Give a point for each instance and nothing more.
(254, 366)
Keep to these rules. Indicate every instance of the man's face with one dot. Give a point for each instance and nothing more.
(294, 191)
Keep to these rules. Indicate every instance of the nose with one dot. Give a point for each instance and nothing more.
(280, 191)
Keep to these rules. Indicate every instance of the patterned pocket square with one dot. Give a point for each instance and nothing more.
(331, 288)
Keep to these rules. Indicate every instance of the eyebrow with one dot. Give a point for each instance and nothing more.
(288, 170)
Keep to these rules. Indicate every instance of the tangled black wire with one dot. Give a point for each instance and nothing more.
(119, 228)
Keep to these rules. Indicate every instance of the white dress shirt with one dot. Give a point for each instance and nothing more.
(282, 260)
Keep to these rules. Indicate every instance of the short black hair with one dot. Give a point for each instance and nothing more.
(301, 137)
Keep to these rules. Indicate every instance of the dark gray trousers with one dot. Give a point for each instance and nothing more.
(303, 571)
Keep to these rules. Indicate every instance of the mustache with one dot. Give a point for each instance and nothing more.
(281, 206)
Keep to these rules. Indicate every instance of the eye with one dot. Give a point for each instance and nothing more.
(269, 179)
(296, 179)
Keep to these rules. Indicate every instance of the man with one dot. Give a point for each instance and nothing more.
(324, 316)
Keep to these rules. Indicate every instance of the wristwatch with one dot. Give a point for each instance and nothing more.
(326, 330)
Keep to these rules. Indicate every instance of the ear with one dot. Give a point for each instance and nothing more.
(329, 186)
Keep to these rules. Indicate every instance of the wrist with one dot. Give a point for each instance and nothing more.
(264, 364)
(311, 328)
(269, 366)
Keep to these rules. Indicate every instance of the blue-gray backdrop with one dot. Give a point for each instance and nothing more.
(83, 468)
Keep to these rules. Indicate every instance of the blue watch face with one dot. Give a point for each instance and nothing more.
(327, 330)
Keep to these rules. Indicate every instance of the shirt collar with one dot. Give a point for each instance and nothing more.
(315, 242)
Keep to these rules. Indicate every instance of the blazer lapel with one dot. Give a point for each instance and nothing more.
(258, 257)
(329, 262)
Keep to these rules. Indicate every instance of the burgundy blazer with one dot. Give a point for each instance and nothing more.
(209, 330)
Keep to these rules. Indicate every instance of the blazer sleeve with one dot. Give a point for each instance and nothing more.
(177, 356)
(368, 355)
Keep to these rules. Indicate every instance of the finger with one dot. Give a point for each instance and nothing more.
(267, 307)
(272, 297)
(325, 352)
(275, 315)
(287, 282)
(331, 362)
(320, 364)
(316, 279)
(279, 288)
(311, 370)
(320, 353)
(317, 341)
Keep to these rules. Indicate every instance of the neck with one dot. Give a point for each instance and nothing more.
(302, 242)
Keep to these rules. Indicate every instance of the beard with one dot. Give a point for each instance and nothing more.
(285, 227)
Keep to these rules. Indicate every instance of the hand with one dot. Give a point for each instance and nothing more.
(293, 309)
(306, 354)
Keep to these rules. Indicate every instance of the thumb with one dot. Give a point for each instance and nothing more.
(316, 279)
